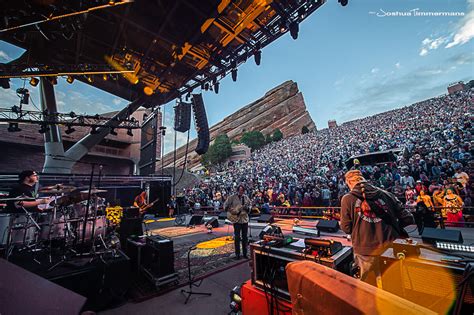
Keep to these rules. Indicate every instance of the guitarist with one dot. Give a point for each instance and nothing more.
(141, 202)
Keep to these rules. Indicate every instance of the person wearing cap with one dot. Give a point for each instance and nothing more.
(238, 207)
(27, 181)
(371, 216)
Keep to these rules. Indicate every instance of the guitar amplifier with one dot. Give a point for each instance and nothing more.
(158, 256)
(269, 265)
(432, 280)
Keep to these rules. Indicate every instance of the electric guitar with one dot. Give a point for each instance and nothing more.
(148, 206)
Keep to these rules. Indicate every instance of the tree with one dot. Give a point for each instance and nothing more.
(218, 152)
(470, 84)
(277, 135)
(268, 138)
(304, 129)
(253, 139)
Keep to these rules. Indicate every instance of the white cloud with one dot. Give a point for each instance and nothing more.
(465, 31)
(431, 44)
(397, 65)
(4, 56)
(117, 101)
(374, 70)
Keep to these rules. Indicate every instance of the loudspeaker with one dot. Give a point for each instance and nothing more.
(213, 222)
(196, 220)
(182, 117)
(201, 123)
(128, 227)
(222, 215)
(158, 256)
(330, 226)
(265, 218)
(431, 235)
(160, 190)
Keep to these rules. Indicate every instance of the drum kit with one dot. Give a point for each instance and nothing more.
(63, 221)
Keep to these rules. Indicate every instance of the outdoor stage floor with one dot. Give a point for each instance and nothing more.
(221, 281)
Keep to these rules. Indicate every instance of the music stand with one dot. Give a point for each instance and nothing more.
(191, 281)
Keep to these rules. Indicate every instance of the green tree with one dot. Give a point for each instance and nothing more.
(304, 129)
(253, 139)
(277, 135)
(268, 138)
(218, 152)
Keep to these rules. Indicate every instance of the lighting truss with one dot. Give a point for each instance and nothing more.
(71, 119)
(18, 71)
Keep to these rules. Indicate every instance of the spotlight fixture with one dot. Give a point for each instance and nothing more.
(294, 29)
(94, 130)
(69, 79)
(206, 86)
(258, 57)
(202, 85)
(282, 27)
(129, 132)
(16, 109)
(13, 127)
(105, 77)
(234, 74)
(90, 79)
(148, 90)
(24, 95)
(34, 81)
(72, 115)
(53, 80)
(69, 130)
(113, 132)
(216, 87)
(343, 2)
(302, 13)
(44, 128)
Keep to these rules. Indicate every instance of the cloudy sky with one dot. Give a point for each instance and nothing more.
(349, 62)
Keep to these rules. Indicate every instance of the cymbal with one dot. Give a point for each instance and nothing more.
(93, 191)
(19, 198)
(56, 189)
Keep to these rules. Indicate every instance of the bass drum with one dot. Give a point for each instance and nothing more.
(100, 228)
(51, 228)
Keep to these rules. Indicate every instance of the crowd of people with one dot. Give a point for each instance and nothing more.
(434, 139)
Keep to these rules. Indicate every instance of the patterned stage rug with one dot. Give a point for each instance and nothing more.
(209, 257)
(175, 231)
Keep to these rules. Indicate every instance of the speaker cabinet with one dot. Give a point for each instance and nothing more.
(182, 117)
(265, 218)
(158, 256)
(196, 220)
(213, 222)
(330, 226)
(431, 235)
(202, 125)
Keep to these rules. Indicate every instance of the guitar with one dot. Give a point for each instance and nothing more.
(148, 206)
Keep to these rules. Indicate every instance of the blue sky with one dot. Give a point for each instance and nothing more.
(348, 62)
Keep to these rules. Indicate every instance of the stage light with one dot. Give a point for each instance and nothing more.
(455, 247)
(257, 57)
(148, 90)
(90, 79)
(24, 95)
(302, 13)
(13, 127)
(34, 81)
(16, 109)
(113, 132)
(69, 79)
(206, 86)
(72, 115)
(343, 2)
(202, 85)
(94, 130)
(294, 29)
(129, 132)
(105, 77)
(234, 74)
(69, 130)
(216, 87)
(44, 128)
(282, 27)
(53, 80)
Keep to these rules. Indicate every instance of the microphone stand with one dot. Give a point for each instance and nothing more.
(95, 208)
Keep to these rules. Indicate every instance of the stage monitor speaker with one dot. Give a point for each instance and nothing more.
(158, 256)
(182, 117)
(213, 222)
(196, 220)
(222, 215)
(201, 123)
(265, 218)
(431, 235)
(330, 226)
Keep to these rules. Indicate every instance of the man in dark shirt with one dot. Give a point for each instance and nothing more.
(26, 187)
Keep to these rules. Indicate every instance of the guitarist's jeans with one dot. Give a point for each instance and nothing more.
(240, 228)
(368, 264)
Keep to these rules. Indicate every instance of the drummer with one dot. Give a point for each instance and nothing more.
(26, 187)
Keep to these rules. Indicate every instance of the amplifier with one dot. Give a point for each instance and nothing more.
(432, 280)
(157, 256)
(321, 247)
(269, 263)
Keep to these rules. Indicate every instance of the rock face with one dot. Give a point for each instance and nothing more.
(282, 107)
